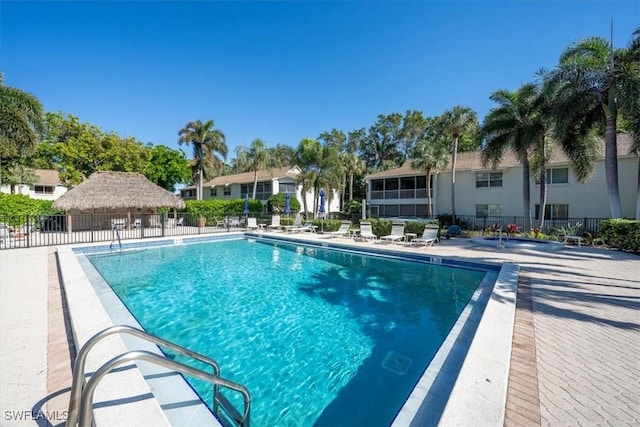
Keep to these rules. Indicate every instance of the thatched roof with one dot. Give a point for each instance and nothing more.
(115, 190)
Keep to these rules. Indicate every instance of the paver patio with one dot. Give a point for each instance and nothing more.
(579, 310)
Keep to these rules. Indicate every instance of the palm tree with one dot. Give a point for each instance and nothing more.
(458, 121)
(21, 123)
(591, 80)
(519, 123)
(254, 158)
(207, 141)
(308, 157)
(630, 99)
(427, 155)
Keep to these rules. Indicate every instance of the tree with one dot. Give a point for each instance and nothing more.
(591, 81)
(207, 142)
(519, 123)
(459, 121)
(308, 157)
(77, 150)
(630, 99)
(254, 158)
(353, 164)
(431, 151)
(21, 122)
(382, 147)
(167, 167)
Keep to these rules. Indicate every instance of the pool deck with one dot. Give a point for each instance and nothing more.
(579, 309)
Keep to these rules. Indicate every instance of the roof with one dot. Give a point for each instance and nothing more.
(115, 190)
(247, 177)
(473, 161)
(47, 177)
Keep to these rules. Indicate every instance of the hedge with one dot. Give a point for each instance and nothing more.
(624, 234)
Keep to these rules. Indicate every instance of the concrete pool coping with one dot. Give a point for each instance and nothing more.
(483, 372)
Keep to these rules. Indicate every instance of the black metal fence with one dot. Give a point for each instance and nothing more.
(26, 231)
(578, 225)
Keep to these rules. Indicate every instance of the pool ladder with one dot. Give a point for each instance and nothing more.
(81, 400)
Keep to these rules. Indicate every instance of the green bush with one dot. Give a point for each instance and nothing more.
(276, 202)
(216, 209)
(16, 208)
(624, 234)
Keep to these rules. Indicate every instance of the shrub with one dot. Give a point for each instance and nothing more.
(276, 202)
(16, 208)
(215, 209)
(621, 233)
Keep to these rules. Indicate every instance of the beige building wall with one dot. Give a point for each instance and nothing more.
(589, 199)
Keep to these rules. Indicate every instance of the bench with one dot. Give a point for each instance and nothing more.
(578, 239)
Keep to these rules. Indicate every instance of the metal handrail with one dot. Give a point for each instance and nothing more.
(86, 415)
(78, 367)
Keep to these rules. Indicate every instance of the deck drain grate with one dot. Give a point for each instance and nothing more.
(396, 363)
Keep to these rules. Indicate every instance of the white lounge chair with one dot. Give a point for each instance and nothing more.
(307, 226)
(297, 223)
(397, 233)
(275, 223)
(252, 224)
(342, 231)
(154, 221)
(366, 231)
(428, 238)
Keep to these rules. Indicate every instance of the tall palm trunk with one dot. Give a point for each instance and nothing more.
(543, 194)
(611, 166)
(454, 157)
(526, 193)
(638, 193)
(429, 201)
(255, 183)
(350, 186)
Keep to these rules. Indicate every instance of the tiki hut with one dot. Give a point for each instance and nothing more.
(106, 197)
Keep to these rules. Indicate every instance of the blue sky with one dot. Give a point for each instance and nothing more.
(283, 71)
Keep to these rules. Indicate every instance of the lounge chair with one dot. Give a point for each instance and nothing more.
(342, 231)
(179, 221)
(308, 226)
(137, 223)
(366, 231)
(154, 221)
(428, 238)
(397, 233)
(297, 223)
(275, 223)
(252, 224)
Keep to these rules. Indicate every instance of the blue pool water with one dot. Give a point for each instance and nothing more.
(319, 337)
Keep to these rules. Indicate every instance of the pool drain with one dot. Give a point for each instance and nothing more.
(396, 363)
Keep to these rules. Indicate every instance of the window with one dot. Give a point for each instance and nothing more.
(43, 189)
(214, 191)
(263, 190)
(227, 190)
(488, 179)
(554, 211)
(488, 210)
(556, 176)
(287, 187)
(377, 185)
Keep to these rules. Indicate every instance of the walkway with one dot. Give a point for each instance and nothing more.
(582, 318)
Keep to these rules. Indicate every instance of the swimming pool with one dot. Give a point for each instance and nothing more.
(264, 323)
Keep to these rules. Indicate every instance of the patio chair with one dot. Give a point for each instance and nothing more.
(397, 233)
(180, 221)
(275, 223)
(307, 226)
(137, 223)
(428, 238)
(252, 224)
(366, 232)
(297, 223)
(154, 221)
(342, 231)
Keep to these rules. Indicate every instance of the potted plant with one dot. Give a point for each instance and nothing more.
(202, 221)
